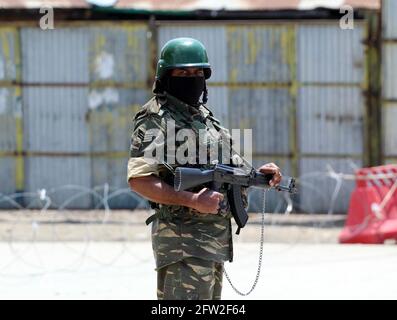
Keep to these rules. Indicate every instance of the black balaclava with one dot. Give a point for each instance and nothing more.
(187, 89)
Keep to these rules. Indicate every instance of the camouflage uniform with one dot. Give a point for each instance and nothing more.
(189, 247)
(190, 279)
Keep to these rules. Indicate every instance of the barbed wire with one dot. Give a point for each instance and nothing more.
(41, 208)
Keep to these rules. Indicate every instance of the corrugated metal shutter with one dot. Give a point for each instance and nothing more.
(84, 85)
(119, 68)
(389, 75)
(11, 160)
(331, 110)
(55, 56)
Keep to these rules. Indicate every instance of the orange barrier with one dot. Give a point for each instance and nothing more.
(372, 215)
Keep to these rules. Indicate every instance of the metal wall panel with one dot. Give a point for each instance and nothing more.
(8, 54)
(218, 104)
(389, 9)
(390, 129)
(328, 54)
(55, 56)
(213, 38)
(259, 53)
(316, 189)
(55, 119)
(110, 117)
(330, 120)
(10, 109)
(7, 178)
(119, 54)
(266, 111)
(62, 177)
(389, 70)
(113, 171)
(10, 114)
(389, 82)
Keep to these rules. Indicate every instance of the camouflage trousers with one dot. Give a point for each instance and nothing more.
(190, 279)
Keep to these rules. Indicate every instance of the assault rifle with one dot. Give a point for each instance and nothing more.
(235, 178)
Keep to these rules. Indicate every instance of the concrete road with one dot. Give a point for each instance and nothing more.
(117, 270)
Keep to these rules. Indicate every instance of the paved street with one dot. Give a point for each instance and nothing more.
(117, 270)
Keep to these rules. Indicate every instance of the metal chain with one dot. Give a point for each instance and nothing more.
(260, 254)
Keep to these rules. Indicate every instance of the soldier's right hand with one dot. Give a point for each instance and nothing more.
(207, 201)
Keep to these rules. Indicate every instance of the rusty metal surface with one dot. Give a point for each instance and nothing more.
(259, 53)
(110, 117)
(78, 56)
(119, 54)
(8, 54)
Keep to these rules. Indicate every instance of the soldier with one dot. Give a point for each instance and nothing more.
(191, 230)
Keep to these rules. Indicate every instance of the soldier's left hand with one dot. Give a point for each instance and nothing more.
(271, 168)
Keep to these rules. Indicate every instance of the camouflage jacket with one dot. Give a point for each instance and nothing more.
(178, 231)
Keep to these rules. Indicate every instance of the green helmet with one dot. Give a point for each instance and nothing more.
(182, 53)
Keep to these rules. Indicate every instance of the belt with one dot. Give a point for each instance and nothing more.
(161, 214)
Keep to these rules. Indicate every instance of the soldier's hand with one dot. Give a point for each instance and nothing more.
(271, 168)
(207, 201)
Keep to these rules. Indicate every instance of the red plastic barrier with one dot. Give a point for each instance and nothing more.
(368, 220)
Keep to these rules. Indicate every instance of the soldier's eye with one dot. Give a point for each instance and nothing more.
(179, 72)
